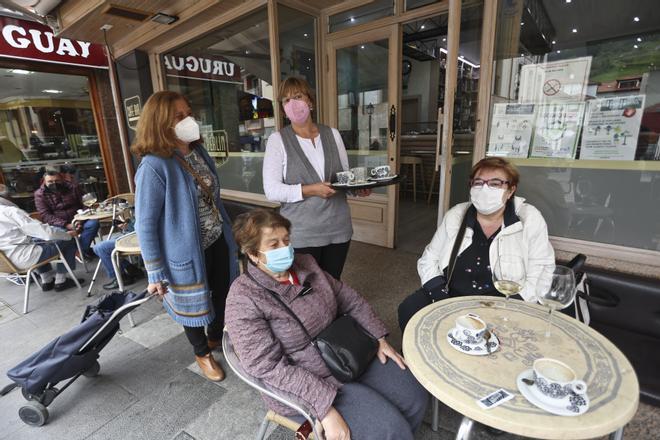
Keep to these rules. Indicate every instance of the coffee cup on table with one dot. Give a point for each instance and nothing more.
(469, 328)
(360, 174)
(345, 177)
(381, 171)
(555, 382)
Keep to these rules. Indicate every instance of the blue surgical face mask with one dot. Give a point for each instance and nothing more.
(280, 259)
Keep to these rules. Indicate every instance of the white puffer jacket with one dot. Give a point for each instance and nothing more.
(527, 238)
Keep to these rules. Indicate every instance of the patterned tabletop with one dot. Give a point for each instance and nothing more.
(98, 214)
(458, 379)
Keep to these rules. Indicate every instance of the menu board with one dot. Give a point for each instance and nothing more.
(564, 80)
(557, 129)
(511, 130)
(611, 128)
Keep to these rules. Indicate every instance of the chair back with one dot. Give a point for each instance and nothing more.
(129, 197)
(36, 215)
(235, 365)
(6, 266)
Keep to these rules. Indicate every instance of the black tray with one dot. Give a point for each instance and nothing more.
(371, 184)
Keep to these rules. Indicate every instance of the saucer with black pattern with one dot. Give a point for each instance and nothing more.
(577, 404)
(478, 349)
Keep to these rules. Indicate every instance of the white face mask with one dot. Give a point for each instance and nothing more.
(187, 130)
(487, 200)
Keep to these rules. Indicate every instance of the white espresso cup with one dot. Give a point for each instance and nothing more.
(554, 381)
(469, 328)
(345, 177)
(381, 171)
(360, 174)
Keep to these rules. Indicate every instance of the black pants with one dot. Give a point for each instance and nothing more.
(217, 276)
(331, 258)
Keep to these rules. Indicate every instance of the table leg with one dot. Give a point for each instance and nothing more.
(465, 429)
(618, 434)
(434, 414)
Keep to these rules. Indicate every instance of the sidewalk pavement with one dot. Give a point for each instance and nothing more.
(149, 385)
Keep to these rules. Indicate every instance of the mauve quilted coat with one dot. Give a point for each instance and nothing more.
(270, 343)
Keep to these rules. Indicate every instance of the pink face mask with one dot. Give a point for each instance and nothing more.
(297, 111)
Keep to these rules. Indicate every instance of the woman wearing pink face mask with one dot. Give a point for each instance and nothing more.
(300, 162)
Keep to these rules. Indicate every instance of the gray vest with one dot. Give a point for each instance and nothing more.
(315, 221)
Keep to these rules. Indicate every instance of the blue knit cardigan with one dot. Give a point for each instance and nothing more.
(169, 234)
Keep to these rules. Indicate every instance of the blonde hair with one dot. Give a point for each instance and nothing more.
(293, 85)
(155, 129)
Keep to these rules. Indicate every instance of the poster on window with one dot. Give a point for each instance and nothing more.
(557, 129)
(611, 128)
(511, 130)
(564, 80)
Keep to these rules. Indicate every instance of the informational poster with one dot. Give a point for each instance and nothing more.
(564, 80)
(511, 130)
(557, 129)
(611, 128)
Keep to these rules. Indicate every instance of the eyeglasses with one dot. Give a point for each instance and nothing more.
(492, 183)
(297, 97)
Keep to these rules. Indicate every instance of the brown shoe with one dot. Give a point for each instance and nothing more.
(213, 344)
(211, 369)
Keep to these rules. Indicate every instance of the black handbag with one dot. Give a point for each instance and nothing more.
(345, 346)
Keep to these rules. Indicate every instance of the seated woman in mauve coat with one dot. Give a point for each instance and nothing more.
(386, 402)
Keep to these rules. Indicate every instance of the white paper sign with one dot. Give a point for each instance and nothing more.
(557, 129)
(564, 80)
(611, 128)
(511, 130)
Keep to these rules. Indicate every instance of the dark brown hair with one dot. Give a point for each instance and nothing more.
(155, 129)
(249, 226)
(497, 163)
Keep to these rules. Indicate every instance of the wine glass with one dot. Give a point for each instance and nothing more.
(508, 276)
(559, 294)
(89, 199)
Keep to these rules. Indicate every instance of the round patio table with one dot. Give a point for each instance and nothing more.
(459, 380)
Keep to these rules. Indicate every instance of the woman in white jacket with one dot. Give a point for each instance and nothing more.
(496, 223)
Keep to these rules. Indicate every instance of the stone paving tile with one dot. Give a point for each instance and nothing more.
(167, 410)
(80, 410)
(7, 314)
(154, 332)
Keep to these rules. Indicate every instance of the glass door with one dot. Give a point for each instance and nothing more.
(363, 102)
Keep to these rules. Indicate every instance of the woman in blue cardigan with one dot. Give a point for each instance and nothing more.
(184, 231)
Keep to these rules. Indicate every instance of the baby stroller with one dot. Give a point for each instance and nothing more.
(69, 356)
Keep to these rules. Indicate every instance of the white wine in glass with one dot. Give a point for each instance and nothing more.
(508, 276)
(559, 294)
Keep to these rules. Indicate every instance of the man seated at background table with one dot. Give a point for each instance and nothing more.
(58, 201)
(17, 229)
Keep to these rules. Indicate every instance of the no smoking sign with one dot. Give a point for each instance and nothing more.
(551, 87)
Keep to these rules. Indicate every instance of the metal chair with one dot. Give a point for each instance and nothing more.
(125, 246)
(81, 257)
(24, 276)
(271, 416)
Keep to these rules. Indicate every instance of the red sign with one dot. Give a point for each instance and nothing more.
(210, 68)
(33, 41)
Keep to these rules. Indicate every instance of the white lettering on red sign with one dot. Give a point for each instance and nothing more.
(17, 37)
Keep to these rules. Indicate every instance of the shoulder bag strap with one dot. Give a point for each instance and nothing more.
(454, 250)
(282, 303)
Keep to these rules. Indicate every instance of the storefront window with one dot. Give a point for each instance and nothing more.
(47, 121)
(297, 34)
(226, 75)
(364, 14)
(576, 105)
(413, 4)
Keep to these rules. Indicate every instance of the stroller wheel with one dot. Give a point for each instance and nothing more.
(93, 371)
(27, 395)
(33, 414)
